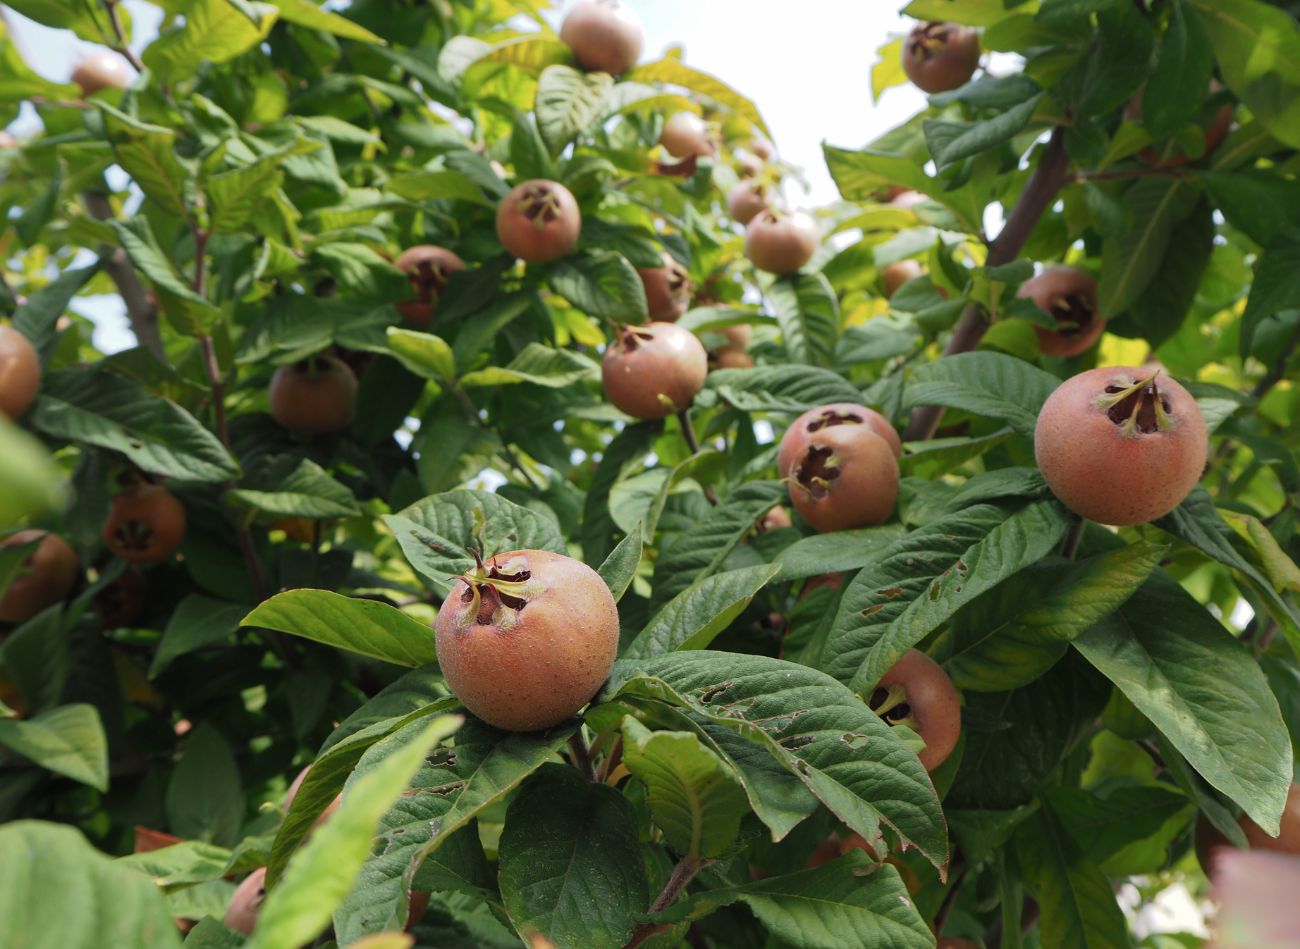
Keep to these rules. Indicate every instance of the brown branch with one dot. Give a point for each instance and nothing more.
(1048, 178)
(140, 309)
(581, 756)
(693, 444)
(1071, 543)
(122, 49)
(682, 874)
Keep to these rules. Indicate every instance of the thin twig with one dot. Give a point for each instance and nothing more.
(1072, 538)
(1049, 176)
(682, 874)
(581, 756)
(693, 444)
(122, 49)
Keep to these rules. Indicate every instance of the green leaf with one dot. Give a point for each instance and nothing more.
(619, 569)
(197, 621)
(989, 384)
(861, 174)
(205, 799)
(1184, 61)
(849, 901)
(488, 322)
(837, 551)
(1202, 689)
(969, 12)
(951, 142)
(540, 365)
(367, 627)
(443, 185)
(308, 14)
(808, 313)
(929, 575)
(99, 408)
(819, 730)
(450, 789)
(692, 793)
(1075, 898)
(568, 102)
(320, 875)
(936, 457)
(1130, 260)
(633, 442)
(1163, 305)
(307, 491)
(39, 314)
(148, 154)
(602, 284)
(214, 32)
(1258, 203)
(57, 892)
(68, 740)
(425, 354)
(89, 21)
(35, 659)
(571, 865)
(676, 73)
(1104, 826)
(787, 388)
(701, 549)
(699, 613)
(234, 197)
(437, 533)
(1014, 633)
(190, 861)
(1276, 286)
(187, 311)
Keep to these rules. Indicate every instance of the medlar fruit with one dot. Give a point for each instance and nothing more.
(918, 693)
(539, 221)
(20, 373)
(314, 396)
(1120, 446)
(604, 35)
(667, 289)
(747, 200)
(246, 904)
(99, 69)
(843, 477)
(795, 438)
(1069, 295)
(527, 638)
(938, 57)
(781, 242)
(428, 267)
(145, 522)
(685, 135)
(653, 371)
(48, 575)
(899, 273)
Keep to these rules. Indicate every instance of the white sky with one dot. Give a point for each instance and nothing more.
(807, 66)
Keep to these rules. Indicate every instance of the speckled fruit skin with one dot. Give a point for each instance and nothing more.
(528, 669)
(649, 364)
(1050, 287)
(747, 200)
(935, 706)
(1109, 477)
(831, 415)
(781, 242)
(667, 290)
(899, 273)
(939, 57)
(315, 396)
(686, 134)
(20, 373)
(49, 575)
(246, 904)
(99, 69)
(428, 267)
(539, 221)
(604, 35)
(866, 488)
(145, 523)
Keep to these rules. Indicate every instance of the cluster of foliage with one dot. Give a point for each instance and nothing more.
(372, 260)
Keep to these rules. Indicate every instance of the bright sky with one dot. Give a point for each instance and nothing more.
(807, 67)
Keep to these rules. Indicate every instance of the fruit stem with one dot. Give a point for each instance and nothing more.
(693, 444)
(581, 756)
(682, 874)
(1072, 538)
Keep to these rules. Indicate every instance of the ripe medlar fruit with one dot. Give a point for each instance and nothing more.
(48, 576)
(918, 693)
(20, 373)
(527, 638)
(604, 35)
(428, 267)
(1069, 295)
(314, 396)
(145, 522)
(685, 134)
(938, 57)
(899, 273)
(246, 904)
(1120, 446)
(538, 221)
(653, 371)
(781, 242)
(795, 439)
(747, 200)
(733, 357)
(100, 69)
(843, 477)
(667, 289)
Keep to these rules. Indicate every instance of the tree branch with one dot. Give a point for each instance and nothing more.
(1048, 178)
(140, 309)
(122, 49)
(682, 874)
(693, 445)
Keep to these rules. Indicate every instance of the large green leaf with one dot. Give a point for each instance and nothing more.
(204, 794)
(214, 31)
(601, 283)
(837, 551)
(990, 384)
(196, 622)
(367, 627)
(785, 388)
(951, 142)
(568, 102)
(699, 613)
(675, 72)
(307, 491)
(571, 866)
(1130, 260)
(148, 154)
(819, 730)
(186, 311)
(59, 892)
(631, 443)
(860, 175)
(68, 740)
(1260, 204)
(37, 317)
(538, 364)
(620, 567)
(1184, 61)
(110, 411)
(90, 21)
(808, 313)
(306, 13)
(1276, 286)
(1202, 689)
(235, 196)
(970, 12)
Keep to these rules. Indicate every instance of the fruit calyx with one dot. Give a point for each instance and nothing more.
(490, 588)
(890, 703)
(539, 205)
(1073, 313)
(929, 40)
(629, 338)
(816, 470)
(833, 417)
(134, 535)
(1137, 408)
